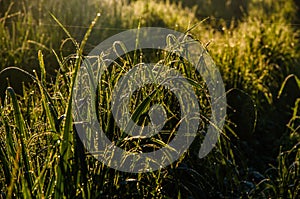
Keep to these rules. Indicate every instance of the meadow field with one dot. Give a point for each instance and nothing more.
(255, 45)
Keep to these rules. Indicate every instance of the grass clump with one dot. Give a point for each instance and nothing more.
(41, 155)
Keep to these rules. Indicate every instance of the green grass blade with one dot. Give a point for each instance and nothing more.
(46, 101)
(20, 123)
(284, 83)
(5, 164)
(42, 67)
(62, 68)
(65, 30)
(65, 149)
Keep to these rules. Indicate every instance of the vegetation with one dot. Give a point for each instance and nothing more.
(257, 51)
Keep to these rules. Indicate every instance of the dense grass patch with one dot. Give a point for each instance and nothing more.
(256, 50)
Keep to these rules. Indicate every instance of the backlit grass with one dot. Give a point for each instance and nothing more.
(41, 155)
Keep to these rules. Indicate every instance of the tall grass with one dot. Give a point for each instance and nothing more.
(41, 155)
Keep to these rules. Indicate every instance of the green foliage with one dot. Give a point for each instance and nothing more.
(16, 38)
(280, 181)
(41, 155)
(256, 55)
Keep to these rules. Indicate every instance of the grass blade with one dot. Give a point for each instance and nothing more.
(20, 123)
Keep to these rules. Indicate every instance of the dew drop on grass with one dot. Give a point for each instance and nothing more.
(98, 14)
